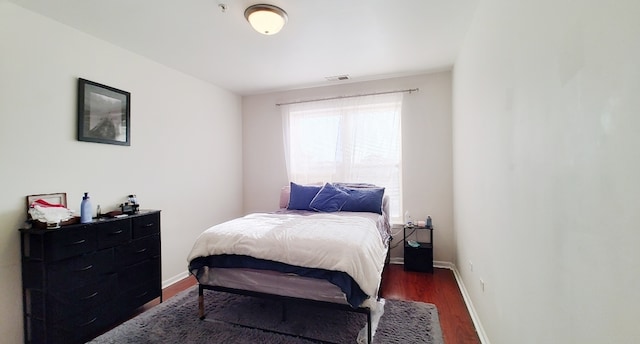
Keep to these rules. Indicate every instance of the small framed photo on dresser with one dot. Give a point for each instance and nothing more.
(103, 114)
(52, 198)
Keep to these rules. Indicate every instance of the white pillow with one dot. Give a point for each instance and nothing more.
(285, 192)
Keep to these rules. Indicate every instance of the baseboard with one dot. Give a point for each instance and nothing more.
(467, 301)
(482, 335)
(396, 260)
(175, 279)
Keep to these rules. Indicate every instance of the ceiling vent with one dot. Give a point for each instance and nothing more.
(338, 77)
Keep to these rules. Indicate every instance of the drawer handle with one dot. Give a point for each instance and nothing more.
(86, 268)
(141, 295)
(89, 322)
(77, 242)
(90, 296)
(141, 250)
(149, 225)
(116, 232)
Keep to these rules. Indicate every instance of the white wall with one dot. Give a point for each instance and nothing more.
(427, 159)
(184, 158)
(546, 166)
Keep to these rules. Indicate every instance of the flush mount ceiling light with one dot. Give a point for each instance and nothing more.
(266, 19)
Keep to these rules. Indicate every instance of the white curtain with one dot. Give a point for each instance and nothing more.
(354, 139)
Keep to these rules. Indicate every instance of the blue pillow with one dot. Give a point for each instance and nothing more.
(301, 196)
(364, 199)
(329, 199)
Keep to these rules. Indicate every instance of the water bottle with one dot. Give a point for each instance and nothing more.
(85, 209)
(407, 219)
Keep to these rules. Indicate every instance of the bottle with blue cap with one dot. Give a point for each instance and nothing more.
(85, 209)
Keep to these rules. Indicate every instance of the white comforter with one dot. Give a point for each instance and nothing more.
(339, 242)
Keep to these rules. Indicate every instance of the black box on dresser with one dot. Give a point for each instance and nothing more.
(81, 279)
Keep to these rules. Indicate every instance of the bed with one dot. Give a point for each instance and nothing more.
(327, 245)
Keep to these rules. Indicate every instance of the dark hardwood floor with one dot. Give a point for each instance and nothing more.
(439, 288)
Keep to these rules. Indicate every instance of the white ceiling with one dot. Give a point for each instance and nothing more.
(366, 39)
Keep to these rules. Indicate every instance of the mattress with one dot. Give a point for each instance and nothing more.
(334, 242)
(273, 282)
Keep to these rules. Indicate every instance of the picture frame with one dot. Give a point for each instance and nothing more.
(53, 198)
(104, 114)
(59, 198)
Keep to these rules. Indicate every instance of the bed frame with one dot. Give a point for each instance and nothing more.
(290, 299)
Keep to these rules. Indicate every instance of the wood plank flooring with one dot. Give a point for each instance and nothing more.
(439, 288)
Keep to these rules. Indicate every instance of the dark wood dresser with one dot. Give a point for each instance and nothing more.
(80, 279)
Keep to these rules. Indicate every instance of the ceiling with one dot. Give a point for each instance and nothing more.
(366, 39)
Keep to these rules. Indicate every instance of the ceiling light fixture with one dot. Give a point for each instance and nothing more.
(266, 19)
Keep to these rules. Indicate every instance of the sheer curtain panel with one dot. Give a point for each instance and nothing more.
(355, 139)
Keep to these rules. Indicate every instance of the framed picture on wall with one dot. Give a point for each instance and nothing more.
(103, 114)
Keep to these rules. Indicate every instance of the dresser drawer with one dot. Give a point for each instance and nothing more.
(78, 329)
(139, 274)
(82, 270)
(67, 303)
(138, 251)
(83, 327)
(113, 233)
(140, 295)
(146, 225)
(64, 243)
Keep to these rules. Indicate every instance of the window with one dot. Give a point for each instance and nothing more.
(346, 140)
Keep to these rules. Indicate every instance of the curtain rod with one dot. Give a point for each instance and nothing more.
(351, 96)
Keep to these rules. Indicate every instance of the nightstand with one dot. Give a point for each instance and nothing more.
(420, 257)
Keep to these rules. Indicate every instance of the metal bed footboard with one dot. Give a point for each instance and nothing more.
(290, 299)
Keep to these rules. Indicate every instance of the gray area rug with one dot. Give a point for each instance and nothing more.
(243, 319)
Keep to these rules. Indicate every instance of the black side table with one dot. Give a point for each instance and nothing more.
(418, 257)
